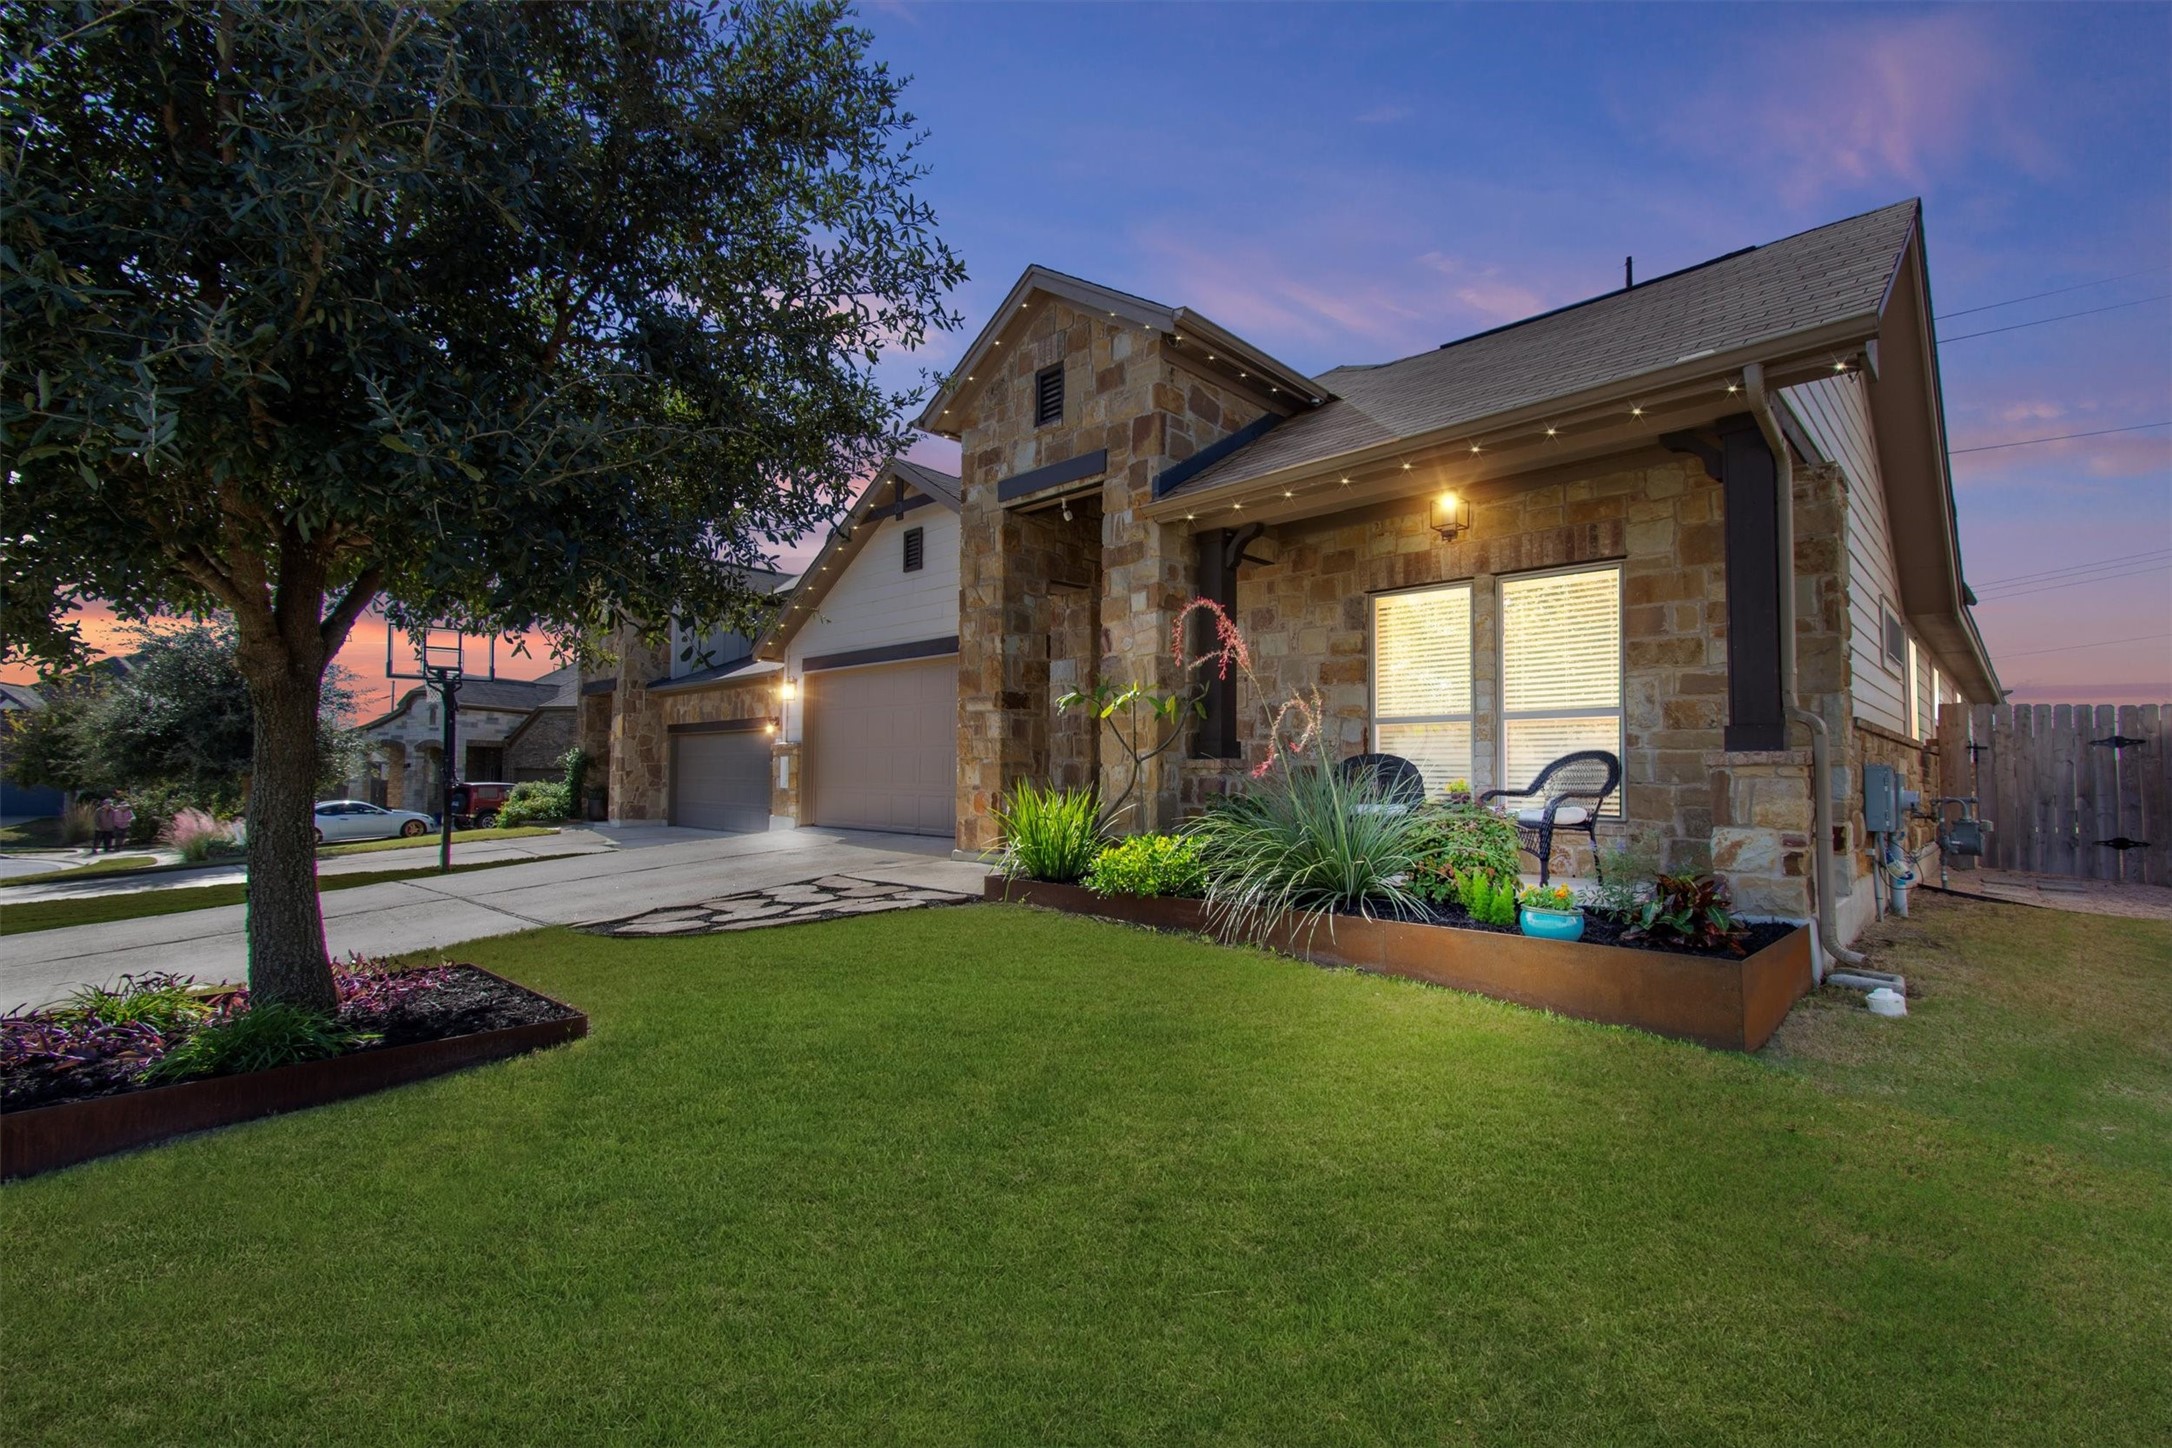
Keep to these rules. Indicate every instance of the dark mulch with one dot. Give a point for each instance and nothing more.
(1606, 930)
(464, 1002)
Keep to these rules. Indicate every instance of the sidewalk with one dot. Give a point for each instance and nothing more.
(654, 869)
(416, 857)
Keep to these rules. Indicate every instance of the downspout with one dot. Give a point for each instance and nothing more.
(1821, 747)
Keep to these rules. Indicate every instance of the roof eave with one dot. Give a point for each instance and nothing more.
(1810, 350)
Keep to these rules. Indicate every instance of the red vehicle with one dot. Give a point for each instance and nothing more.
(475, 805)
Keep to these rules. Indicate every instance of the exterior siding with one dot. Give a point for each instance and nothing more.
(876, 602)
(1836, 414)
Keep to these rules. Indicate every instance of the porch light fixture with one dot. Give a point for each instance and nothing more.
(785, 691)
(1451, 517)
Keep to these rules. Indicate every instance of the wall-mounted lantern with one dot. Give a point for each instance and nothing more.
(1451, 517)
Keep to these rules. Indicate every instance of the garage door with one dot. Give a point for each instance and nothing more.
(884, 752)
(720, 781)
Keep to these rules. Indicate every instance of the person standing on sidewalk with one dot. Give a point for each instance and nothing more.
(102, 826)
(124, 819)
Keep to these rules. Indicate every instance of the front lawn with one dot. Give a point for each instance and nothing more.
(460, 837)
(134, 905)
(102, 865)
(988, 1175)
(41, 833)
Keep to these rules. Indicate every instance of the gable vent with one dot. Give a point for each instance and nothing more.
(916, 553)
(1048, 395)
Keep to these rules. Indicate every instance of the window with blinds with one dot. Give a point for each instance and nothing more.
(1422, 681)
(1561, 670)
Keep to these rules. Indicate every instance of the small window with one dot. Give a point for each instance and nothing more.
(1896, 637)
(915, 550)
(1048, 395)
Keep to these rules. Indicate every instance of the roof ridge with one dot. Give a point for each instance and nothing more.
(1597, 297)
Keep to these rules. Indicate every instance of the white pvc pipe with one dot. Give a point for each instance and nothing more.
(1821, 787)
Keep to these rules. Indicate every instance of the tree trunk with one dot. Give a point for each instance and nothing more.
(287, 960)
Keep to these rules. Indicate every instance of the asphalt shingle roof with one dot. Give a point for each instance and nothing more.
(1830, 274)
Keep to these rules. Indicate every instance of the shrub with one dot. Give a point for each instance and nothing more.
(255, 1038)
(575, 762)
(1692, 912)
(1306, 843)
(77, 822)
(1048, 834)
(536, 801)
(196, 835)
(1548, 897)
(164, 1002)
(1458, 841)
(1487, 899)
(1149, 865)
(1627, 871)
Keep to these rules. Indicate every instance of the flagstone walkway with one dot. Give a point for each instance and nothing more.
(829, 898)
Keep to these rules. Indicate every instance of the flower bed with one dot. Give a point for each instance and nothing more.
(403, 1028)
(1714, 1000)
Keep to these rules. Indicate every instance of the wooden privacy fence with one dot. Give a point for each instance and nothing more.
(2064, 785)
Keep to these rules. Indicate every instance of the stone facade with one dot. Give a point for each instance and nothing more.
(1127, 390)
(641, 720)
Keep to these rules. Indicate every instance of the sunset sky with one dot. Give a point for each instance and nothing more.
(1355, 184)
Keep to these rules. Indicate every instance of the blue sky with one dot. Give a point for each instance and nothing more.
(1354, 183)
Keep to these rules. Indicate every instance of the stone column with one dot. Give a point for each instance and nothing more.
(638, 742)
(1761, 824)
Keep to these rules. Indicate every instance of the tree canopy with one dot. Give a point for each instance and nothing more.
(494, 316)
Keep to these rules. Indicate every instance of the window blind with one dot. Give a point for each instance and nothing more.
(1561, 670)
(1422, 681)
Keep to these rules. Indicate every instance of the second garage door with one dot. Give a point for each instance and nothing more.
(720, 781)
(884, 747)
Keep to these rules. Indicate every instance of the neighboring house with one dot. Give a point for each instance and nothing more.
(1555, 535)
(844, 711)
(504, 729)
(18, 801)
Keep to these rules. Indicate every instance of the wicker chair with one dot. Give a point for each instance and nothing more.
(1571, 791)
(1395, 779)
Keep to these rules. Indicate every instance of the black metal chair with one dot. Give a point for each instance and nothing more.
(1572, 790)
(1395, 780)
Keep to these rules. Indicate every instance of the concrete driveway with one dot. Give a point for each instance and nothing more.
(646, 870)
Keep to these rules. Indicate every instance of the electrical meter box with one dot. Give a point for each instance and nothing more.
(1881, 800)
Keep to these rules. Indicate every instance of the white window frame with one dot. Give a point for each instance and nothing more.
(1468, 717)
(1503, 716)
(1914, 683)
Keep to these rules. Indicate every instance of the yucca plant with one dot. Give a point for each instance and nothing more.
(1049, 834)
(1304, 844)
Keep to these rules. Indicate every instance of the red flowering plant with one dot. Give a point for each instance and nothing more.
(1147, 722)
(1293, 726)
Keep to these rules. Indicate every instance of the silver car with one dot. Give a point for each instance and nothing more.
(352, 819)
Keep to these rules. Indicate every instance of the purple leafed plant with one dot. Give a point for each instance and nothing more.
(52, 1045)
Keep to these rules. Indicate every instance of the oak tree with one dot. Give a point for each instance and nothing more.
(490, 316)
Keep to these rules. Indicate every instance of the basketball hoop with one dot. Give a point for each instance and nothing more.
(437, 658)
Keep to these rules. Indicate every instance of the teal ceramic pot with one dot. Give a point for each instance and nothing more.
(1553, 924)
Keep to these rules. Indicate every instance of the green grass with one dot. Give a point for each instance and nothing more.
(32, 915)
(103, 865)
(370, 847)
(995, 1176)
(33, 834)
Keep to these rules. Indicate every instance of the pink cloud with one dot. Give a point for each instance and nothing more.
(1885, 99)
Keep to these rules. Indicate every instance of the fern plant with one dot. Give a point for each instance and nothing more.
(1487, 899)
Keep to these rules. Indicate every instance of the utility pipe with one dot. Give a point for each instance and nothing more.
(1821, 777)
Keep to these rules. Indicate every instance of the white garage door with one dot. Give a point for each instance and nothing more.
(720, 781)
(884, 750)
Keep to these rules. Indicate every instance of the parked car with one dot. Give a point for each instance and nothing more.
(475, 803)
(353, 819)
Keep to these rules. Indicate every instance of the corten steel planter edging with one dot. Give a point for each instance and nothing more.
(1733, 1005)
(46, 1138)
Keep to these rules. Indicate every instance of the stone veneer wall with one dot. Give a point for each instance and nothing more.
(1308, 618)
(1123, 392)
